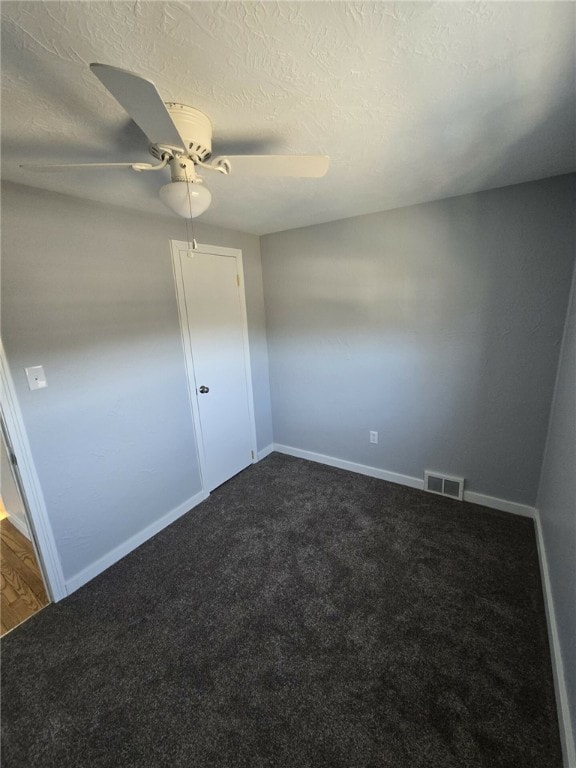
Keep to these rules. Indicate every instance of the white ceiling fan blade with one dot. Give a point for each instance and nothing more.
(312, 166)
(74, 166)
(142, 101)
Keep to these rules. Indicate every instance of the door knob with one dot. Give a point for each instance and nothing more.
(203, 390)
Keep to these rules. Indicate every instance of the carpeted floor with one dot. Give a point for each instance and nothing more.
(301, 617)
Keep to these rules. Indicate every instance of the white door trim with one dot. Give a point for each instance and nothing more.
(35, 504)
(176, 246)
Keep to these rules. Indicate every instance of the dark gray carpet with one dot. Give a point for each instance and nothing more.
(303, 616)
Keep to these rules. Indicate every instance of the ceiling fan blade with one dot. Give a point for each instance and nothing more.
(312, 166)
(141, 100)
(74, 166)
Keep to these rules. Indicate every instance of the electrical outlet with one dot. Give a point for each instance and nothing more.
(373, 436)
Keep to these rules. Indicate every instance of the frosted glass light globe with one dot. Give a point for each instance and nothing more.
(186, 198)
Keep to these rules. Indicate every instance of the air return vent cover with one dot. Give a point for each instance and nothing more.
(445, 485)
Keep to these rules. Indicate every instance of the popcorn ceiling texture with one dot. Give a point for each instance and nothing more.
(412, 101)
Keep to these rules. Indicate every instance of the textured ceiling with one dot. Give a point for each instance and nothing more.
(412, 101)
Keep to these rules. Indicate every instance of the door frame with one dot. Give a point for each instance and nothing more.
(176, 246)
(42, 534)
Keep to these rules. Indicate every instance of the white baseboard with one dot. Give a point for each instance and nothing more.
(411, 482)
(104, 562)
(20, 525)
(351, 466)
(562, 704)
(265, 452)
(502, 504)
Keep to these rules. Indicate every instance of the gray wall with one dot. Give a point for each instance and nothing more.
(557, 502)
(88, 292)
(437, 325)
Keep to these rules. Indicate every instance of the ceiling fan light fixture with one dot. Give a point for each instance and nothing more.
(188, 199)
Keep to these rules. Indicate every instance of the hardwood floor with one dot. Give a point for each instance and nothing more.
(22, 590)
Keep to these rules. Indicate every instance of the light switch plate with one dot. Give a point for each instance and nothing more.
(36, 377)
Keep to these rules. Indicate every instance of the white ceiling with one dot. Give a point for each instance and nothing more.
(412, 101)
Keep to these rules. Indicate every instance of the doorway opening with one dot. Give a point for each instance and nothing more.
(22, 587)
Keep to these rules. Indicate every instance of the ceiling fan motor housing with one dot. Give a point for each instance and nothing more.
(194, 127)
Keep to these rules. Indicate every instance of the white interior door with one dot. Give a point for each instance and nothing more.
(214, 329)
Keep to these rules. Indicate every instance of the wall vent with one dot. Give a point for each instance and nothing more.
(445, 485)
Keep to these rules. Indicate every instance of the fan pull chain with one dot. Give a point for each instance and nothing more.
(190, 239)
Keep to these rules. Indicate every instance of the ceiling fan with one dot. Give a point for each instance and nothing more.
(181, 137)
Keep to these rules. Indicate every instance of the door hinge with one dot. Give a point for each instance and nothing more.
(252, 452)
(238, 280)
(13, 460)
